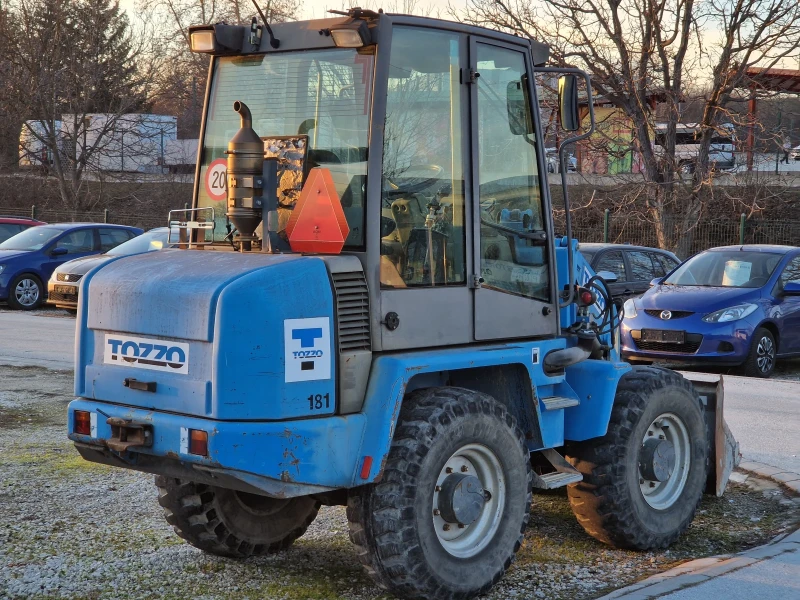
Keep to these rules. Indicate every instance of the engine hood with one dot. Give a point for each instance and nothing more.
(6, 255)
(695, 298)
(81, 266)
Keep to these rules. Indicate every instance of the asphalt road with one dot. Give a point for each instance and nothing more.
(764, 415)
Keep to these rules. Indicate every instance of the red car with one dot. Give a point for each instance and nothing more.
(10, 226)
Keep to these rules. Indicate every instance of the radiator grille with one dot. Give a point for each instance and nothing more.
(68, 277)
(59, 297)
(352, 311)
(676, 314)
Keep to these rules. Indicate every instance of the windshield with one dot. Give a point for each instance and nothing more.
(147, 242)
(726, 269)
(312, 110)
(34, 238)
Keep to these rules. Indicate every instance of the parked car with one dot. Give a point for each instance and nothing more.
(30, 257)
(634, 266)
(737, 305)
(551, 158)
(11, 226)
(62, 289)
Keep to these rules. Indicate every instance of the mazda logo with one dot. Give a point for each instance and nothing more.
(666, 315)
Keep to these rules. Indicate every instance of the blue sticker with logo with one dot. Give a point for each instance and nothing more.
(307, 349)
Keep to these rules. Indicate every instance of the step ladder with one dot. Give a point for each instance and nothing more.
(558, 402)
(564, 473)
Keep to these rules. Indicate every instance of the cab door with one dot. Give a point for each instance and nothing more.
(513, 282)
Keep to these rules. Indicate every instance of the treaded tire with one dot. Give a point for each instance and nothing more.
(392, 523)
(750, 366)
(609, 503)
(219, 521)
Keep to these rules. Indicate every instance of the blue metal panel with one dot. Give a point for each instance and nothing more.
(595, 382)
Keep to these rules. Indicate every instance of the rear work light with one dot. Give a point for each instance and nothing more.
(198, 442)
(83, 422)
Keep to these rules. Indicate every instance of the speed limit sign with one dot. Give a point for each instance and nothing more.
(216, 176)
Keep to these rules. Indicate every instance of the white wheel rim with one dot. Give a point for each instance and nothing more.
(465, 541)
(663, 494)
(26, 292)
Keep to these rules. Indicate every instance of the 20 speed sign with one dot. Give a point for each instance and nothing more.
(216, 179)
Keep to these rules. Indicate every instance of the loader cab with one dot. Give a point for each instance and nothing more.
(431, 133)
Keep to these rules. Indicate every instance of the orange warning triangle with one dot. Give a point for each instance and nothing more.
(318, 223)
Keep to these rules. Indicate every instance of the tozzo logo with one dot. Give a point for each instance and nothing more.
(307, 344)
(142, 353)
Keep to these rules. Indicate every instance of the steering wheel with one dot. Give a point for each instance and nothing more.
(416, 178)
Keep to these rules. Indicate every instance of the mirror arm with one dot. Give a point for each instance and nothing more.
(562, 163)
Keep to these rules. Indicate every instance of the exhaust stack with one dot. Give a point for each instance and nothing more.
(245, 183)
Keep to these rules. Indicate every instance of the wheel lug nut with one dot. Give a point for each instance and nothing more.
(662, 437)
(446, 527)
(652, 484)
(460, 526)
(438, 488)
(436, 511)
(641, 481)
(464, 469)
(448, 470)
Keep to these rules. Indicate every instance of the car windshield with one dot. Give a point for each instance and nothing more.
(34, 238)
(311, 108)
(726, 269)
(147, 242)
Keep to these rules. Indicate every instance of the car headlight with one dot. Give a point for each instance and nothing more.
(629, 307)
(734, 313)
(2, 268)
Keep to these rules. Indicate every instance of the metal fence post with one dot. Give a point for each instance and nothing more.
(741, 230)
(105, 215)
(33, 212)
(606, 219)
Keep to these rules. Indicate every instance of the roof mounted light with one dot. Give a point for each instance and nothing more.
(217, 39)
(354, 34)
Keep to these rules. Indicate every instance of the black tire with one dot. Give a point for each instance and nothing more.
(761, 359)
(231, 523)
(392, 522)
(609, 503)
(31, 282)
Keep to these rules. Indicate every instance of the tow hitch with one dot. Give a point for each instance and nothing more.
(127, 434)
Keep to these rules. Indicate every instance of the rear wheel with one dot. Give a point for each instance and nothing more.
(25, 292)
(761, 359)
(643, 480)
(231, 523)
(450, 512)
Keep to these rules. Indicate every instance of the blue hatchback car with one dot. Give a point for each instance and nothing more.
(737, 305)
(29, 258)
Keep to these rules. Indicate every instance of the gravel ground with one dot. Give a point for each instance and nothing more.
(72, 529)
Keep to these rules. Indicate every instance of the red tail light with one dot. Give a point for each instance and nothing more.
(198, 442)
(83, 422)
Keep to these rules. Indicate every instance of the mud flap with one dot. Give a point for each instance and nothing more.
(724, 449)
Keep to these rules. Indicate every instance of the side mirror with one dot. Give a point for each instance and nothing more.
(59, 251)
(517, 106)
(791, 288)
(568, 102)
(656, 281)
(608, 276)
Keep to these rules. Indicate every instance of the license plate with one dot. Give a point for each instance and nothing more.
(65, 289)
(661, 335)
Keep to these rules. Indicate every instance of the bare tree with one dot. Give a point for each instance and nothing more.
(65, 63)
(670, 50)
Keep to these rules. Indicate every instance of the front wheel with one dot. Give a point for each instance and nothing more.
(761, 359)
(232, 523)
(451, 510)
(25, 292)
(643, 480)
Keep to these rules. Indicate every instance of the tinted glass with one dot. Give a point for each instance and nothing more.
(152, 240)
(423, 185)
(666, 263)
(791, 272)
(111, 238)
(641, 266)
(726, 269)
(613, 261)
(77, 241)
(320, 99)
(8, 230)
(509, 187)
(33, 238)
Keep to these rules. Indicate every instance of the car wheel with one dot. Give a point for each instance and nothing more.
(25, 292)
(761, 360)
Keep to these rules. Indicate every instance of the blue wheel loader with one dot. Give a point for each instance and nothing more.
(371, 306)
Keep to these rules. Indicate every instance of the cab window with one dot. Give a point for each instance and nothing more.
(422, 200)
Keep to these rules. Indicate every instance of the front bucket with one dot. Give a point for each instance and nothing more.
(724, 449)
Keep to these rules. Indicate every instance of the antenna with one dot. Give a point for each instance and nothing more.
(273, 41)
